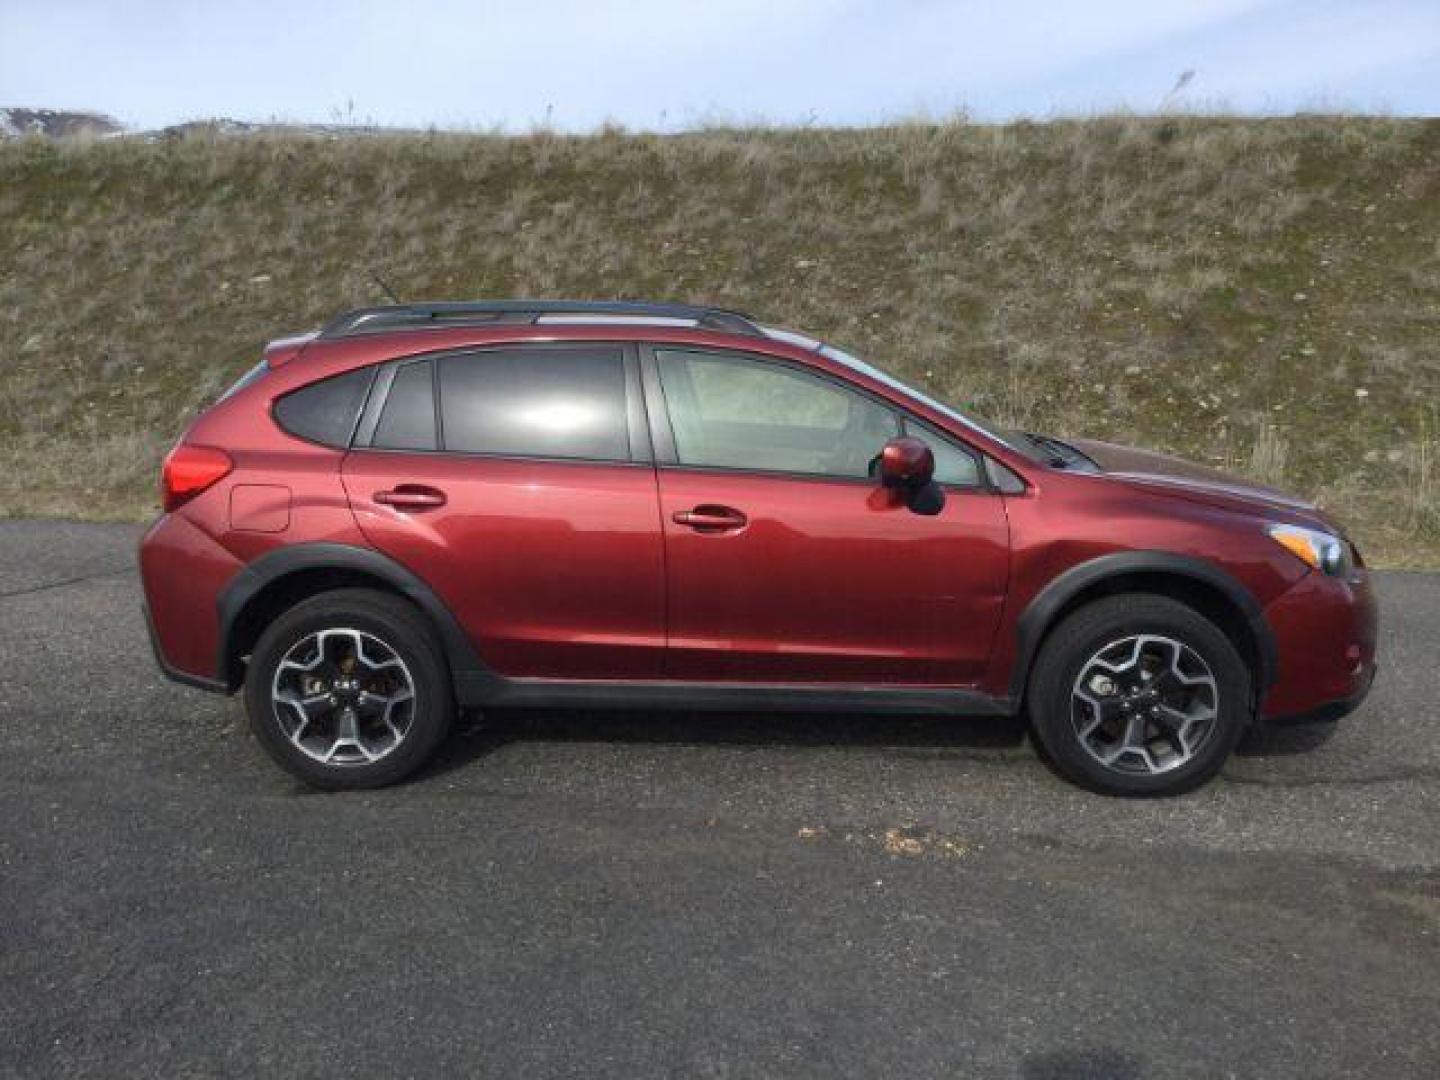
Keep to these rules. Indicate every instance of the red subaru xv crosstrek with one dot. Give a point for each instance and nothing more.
(432, 506)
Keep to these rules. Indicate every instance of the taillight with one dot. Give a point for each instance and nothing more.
(189, 470)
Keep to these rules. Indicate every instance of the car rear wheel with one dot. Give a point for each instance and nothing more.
(349, 689)
(1139, 695)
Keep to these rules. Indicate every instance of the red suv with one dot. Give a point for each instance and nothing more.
(642, 505)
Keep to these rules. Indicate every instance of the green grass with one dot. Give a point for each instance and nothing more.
(1263, 295)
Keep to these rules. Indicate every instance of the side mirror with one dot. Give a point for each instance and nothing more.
(906, 463)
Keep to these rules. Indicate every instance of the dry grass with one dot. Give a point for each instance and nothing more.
(1267, 456)
(1256, 293)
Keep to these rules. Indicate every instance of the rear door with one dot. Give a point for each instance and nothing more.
(785, 561)
(517, 482)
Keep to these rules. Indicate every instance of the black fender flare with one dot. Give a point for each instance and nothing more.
(253, 578)
(1040, 614)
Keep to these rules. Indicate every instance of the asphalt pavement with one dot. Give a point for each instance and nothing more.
(636, 895)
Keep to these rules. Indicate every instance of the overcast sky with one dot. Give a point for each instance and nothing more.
(672, 63)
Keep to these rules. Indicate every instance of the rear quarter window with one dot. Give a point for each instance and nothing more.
(325, 412)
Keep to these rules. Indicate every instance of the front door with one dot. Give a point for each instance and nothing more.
(517, 483)
(785, 562)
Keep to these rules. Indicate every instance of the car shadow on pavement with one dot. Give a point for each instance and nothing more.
(1285, 740)
(1103, 1064)
(476, 736)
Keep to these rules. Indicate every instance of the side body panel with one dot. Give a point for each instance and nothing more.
(830, 580)
(553, 568)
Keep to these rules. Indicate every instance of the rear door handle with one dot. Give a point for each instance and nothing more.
(711, 518)
(411, 497)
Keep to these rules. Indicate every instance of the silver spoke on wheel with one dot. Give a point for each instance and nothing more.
(343, 697)
(1144, 704)
(348, 738)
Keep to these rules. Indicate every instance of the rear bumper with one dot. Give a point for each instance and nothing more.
(183, 571)
(199, 682)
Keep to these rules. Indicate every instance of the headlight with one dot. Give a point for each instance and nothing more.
(1317, 549)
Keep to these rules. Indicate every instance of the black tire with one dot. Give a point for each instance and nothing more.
(1081, 636)
(400, 628)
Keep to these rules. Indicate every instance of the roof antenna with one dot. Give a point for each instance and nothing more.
(378, 280)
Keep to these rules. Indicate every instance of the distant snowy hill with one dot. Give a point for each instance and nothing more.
(56, 124)
(62, 124)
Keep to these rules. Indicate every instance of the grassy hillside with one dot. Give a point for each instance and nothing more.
(1264, 295)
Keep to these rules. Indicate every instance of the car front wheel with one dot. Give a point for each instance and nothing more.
(1139, 695)
(349, 689)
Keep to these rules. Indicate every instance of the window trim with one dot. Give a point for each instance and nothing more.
(636, 430)
(663, 433)
(375, 404)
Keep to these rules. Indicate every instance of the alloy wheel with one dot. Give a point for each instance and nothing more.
(343, 697)
(1144, 704)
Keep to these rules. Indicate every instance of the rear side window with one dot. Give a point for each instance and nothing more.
(326, 411)
(555, 403)
(408, 420)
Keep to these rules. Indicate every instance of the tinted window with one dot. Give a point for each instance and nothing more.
(326, 411)
(952, 465)
(739, 413)
(408, 419)
(561, 403)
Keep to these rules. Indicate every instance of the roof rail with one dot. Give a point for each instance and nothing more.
(430, 315)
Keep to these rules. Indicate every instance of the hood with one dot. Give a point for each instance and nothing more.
(1185, 479)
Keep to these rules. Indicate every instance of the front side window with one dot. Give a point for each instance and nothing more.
(953, 466)
(554, 403)
(736, 412)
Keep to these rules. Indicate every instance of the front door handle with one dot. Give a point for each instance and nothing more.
(711, 518)
(411, 497)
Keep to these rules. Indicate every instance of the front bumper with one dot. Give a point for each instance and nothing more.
(1325, 631)
(1330, 711)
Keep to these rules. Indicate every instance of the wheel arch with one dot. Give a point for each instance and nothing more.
(277, 581)
(1202, 585)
